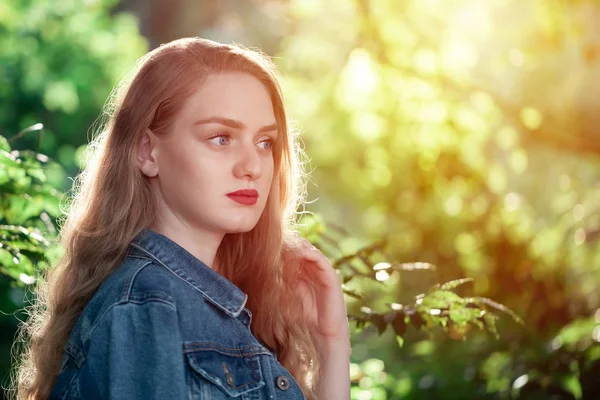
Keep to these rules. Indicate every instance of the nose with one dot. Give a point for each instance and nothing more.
(249, 164)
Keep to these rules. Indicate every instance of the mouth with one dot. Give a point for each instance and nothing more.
(245, 196)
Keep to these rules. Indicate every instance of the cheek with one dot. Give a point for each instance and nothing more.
(174, 161)
(269, 175)
(184, 167)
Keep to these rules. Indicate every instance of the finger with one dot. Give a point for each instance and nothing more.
(317, 256)
(319, 274)
(307, 289)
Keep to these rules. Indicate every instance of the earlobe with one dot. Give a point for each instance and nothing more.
(146, 158)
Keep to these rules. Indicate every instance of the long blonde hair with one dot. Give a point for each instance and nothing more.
(113, 200)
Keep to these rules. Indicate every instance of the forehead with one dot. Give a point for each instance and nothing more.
(232, 95)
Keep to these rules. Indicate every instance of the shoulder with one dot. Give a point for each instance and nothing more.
(141, 295)
(137, 280)
(148, 282)
(137, 288)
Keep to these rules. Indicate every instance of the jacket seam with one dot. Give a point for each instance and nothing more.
(120, 303)
(124, 303)
(157, 260)
(138, 257)
(72, 382)
(128, 288)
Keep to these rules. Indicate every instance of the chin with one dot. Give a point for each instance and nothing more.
(239, 230)
(240, 227)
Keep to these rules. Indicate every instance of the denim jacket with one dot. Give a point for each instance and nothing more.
(164, 325)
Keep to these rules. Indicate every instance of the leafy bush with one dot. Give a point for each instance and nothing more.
(29, 207)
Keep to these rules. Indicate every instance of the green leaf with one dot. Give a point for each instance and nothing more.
(37, 173)
(489, 320)
(3, 176)
(572, 385)
(577, 331)
(24, 264)
(423, 348)
(441, 299)
(592, 356)
(497, 306)
(400, 341)
(496, 371)
(7, 160)
(6, 258)
(455, 283)
(4, 144)
(461, 315)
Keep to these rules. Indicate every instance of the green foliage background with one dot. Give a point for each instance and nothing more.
(450, 141)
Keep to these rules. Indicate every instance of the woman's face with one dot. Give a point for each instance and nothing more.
(221, 142)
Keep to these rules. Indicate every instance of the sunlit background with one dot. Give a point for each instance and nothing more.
(464, 133)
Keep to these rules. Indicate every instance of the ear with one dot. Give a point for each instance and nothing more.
(146, 159)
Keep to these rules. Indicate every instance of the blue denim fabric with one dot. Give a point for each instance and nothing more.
(164, 325)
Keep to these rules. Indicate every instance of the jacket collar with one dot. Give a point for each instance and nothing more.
(215, 287)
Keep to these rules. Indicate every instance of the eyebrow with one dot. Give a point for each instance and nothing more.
(232, 123)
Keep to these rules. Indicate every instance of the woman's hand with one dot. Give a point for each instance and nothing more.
(319, 287)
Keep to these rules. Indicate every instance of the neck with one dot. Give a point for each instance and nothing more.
(202, 244)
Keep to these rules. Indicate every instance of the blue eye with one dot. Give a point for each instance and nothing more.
(220, 141)
(270, 142)
(219, 137)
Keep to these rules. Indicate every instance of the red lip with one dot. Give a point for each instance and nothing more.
(244, 192)
(244, 196)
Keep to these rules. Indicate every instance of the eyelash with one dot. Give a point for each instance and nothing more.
(270, 140)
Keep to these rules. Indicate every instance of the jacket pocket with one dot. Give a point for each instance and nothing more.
(234, 371)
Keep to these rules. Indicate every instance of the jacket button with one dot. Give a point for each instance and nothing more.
(229, 379)
(283, 383)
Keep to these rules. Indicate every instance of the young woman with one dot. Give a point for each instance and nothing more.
(183, 277)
